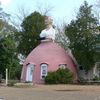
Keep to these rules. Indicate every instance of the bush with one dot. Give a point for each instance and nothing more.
(12, 82)
(96, 78)
(51, 78)
(61, 76)
(65, 76)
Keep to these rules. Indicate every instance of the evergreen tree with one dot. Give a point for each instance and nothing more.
(82, 35)
(29, 36)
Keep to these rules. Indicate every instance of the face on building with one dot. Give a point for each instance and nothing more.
(48, 20)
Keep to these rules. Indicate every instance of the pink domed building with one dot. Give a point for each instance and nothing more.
(46, 57)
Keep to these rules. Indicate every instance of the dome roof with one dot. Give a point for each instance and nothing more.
(50, 53)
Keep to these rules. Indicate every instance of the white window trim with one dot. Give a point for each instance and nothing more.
(62, 66)
(46, 69)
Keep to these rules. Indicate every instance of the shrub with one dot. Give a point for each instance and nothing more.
(61, 76)
(12, 82)
(65, 76)
(51, 78)
(96, 78)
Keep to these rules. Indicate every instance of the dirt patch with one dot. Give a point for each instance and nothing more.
(50, 92)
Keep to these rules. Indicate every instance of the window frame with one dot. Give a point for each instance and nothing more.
(63, 66)
(43, 75)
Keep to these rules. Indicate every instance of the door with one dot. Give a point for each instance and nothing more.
(29, 72)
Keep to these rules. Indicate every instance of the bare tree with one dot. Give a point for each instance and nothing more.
(44, 9)
(17, 18)
(96, 9)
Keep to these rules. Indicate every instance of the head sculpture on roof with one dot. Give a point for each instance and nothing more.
(48, 20)
(48, 34)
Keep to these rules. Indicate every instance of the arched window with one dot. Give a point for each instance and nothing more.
(62, 66)
(44, 70)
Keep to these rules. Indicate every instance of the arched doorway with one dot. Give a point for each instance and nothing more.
(29, 72)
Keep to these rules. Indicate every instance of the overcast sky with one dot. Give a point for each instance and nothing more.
(61, 9)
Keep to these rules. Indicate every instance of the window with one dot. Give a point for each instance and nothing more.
(43, 70)
(62, 66)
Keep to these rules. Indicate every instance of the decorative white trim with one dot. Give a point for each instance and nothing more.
(44, 70)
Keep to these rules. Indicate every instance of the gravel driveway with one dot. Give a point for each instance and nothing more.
(53, 92)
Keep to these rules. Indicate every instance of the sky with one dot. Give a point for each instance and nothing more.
(61, 10)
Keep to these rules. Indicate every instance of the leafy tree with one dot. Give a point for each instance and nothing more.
(8, 50)
(8, 58)
(29, 36)
(82, 35)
